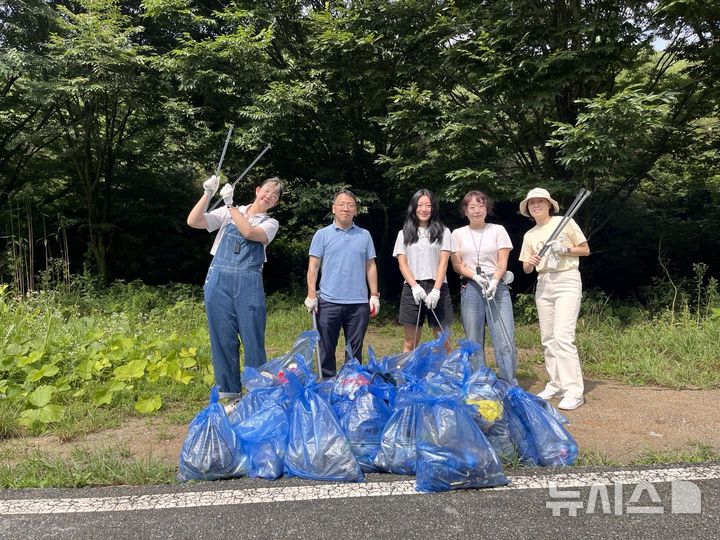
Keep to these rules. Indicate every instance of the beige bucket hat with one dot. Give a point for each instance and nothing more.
(537, 193)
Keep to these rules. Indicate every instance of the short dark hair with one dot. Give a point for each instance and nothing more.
(345, 192)
(275, 180)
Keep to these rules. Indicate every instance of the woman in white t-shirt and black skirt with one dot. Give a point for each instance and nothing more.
(422, 249)
(480, 256)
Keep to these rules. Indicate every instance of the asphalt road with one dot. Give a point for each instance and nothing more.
(655, 502)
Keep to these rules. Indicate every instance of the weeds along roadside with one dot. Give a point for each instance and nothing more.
(77, 362)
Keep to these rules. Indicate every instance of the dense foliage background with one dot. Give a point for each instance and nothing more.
(112, 113)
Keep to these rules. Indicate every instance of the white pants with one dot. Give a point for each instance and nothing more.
(558, 298)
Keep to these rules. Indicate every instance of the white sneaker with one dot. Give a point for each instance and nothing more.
(230, 407)
(570, 403)
(549, 394)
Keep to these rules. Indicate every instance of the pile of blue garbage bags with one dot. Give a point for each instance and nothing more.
(423, 413)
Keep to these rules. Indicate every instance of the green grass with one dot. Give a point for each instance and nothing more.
(694, 453)
(126, 323)
(678, 354)
(81, 469)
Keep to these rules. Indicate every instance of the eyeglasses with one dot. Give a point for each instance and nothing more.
(347, 205)
(477, 204)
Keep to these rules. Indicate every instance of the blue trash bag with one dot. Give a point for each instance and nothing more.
(416, 364)
(351, 377)
(264, 436)
(211, 449)
(324, 389)
(452, 452)
(297, 360)
(349, 380)
(398, 451)
(317, 446)
(521, 438)
(254, 400)
(554, 446)
(480, 392)
(456, 368)
(363, 423)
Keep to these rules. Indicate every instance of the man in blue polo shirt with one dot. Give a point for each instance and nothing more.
(344, 254)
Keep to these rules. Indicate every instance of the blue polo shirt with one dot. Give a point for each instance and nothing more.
(344, 255)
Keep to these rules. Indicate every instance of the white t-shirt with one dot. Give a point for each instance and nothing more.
(422, 256)
(221, 218)
(535, 239)
(480, 247)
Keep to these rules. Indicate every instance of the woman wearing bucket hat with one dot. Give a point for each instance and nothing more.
(558, 294)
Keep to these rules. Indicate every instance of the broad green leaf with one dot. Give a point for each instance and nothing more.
(131, 370)
(31, 358)
(47, 370)
(13, 349)
(101, 364)
(84, 369)
(116, 386)
(149, 404)
(41, 395)
(44, 415)
(188, 362)
(102, 397)
(183, 377)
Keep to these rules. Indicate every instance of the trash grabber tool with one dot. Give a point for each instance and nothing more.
(417, 325)
(318, 363)
(247, 170)
(222, 158)
(499, 322)
(582, 195)
(437, 320)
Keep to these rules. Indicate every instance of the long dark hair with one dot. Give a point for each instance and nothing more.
(435, 226)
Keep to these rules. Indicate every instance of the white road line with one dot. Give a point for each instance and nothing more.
(332, 491)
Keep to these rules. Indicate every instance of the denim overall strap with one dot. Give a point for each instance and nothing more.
(235, 251)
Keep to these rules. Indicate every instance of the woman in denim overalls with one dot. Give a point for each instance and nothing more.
(234, 294)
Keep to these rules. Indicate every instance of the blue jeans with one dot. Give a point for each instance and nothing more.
(352, 318)
(475, 314)
(235, 308)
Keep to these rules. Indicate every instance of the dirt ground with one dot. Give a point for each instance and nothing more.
(618, 422)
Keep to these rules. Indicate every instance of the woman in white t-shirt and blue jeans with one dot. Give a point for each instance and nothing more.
(480, 256)
(422, 249)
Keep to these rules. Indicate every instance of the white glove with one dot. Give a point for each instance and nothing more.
(481, 280)
(491, 288)
(227, 193)
(211, 185)
(556, 247)
(432, 299)
(419, 294)
(374, 306)
(311, 304)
